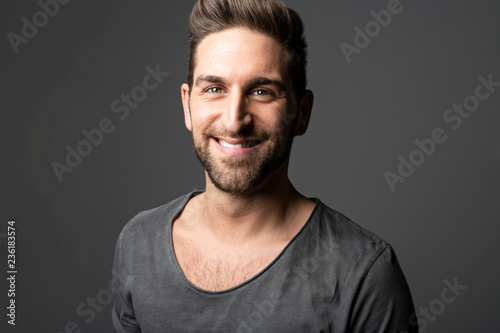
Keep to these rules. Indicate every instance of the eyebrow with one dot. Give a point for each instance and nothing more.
(210, 79)
(254, 82)
(262, 81)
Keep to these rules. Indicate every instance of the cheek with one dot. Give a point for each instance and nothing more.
(202, 116)
(275, 124)
(268, 115)
(279, 121)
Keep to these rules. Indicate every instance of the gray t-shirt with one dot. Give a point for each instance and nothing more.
(333, 276)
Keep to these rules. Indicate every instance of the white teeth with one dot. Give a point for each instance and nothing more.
(243, 145)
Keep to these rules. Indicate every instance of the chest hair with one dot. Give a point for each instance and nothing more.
(222, 271)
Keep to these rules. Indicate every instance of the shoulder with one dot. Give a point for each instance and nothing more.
(150, 224)
(345, 235)
(347, 251)
(366, 272)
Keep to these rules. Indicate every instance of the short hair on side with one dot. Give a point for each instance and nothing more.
(269, 17)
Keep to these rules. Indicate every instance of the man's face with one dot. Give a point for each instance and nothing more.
(241, 109)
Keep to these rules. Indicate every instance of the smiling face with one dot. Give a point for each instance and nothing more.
(241, 109)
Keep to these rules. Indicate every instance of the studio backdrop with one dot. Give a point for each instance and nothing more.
(404, 139)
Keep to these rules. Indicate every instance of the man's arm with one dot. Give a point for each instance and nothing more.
(123, 313)
(383, 301)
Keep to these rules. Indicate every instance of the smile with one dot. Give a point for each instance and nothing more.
(244, 144)
(237, 147)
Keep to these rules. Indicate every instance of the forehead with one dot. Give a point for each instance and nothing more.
(240, 53)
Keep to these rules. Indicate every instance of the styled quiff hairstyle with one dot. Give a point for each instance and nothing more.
(269, 17)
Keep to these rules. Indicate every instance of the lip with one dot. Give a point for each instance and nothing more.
(235, 141)
(235, 151)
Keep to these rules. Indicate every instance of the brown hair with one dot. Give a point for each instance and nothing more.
(272, 18)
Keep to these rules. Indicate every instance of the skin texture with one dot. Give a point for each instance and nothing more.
(241, 94)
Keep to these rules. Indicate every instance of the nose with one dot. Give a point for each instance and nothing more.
(236, 116)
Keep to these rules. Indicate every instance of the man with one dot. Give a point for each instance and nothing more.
(250, 253)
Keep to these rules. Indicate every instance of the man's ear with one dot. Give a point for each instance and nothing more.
(304, 114)
(185, 105)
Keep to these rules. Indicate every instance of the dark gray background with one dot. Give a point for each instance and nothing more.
(442, 221)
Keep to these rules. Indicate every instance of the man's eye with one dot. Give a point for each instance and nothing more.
(214, 90)
(260, 92)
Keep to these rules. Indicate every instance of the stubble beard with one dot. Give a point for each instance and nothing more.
(242, 174)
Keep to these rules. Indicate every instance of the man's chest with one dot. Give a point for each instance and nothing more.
(220, 270)
(288, 296)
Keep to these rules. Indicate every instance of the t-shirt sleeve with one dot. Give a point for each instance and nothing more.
(383, 302)
(123, 315)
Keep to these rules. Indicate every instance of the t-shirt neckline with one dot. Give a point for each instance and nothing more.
(173, 257)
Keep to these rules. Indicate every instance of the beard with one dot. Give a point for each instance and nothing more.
(241, 174)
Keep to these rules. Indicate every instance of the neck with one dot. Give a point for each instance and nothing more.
(245, 217)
